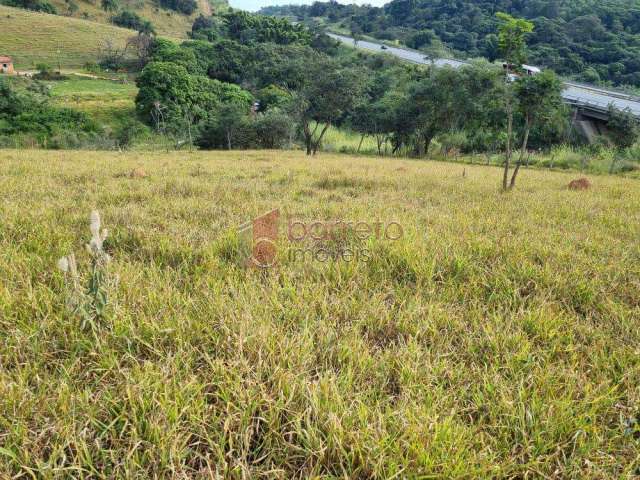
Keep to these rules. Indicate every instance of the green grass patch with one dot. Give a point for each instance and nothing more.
(111, 103)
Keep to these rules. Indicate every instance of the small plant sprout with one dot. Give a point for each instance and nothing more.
(89, 302)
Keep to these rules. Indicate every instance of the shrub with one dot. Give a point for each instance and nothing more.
(45, 72)
(28, 114)
(128, 132)
(110, 5)
(35, 5)
(273, 97)
(183, 6)
(273, 129)
(233, 127)
(230, 128)
(92, 67)
(128, 19)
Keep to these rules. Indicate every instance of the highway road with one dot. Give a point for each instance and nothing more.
(584, 96)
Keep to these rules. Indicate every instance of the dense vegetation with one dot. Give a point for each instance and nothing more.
(27, 114)
(319, 86)
(129, 19)
(183, 6)
(35, 5)
(590, 40)
(250, 29)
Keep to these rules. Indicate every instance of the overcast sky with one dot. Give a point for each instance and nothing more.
(254, 5)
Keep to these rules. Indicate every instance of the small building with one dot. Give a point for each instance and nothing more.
(6, 65)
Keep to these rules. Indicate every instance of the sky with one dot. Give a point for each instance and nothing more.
(255, 5)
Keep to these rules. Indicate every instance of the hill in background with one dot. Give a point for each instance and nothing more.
(589, 40)
(167, 22)
(72, 37)
(33, 37)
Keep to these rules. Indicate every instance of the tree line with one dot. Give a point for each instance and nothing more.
(249, 81)
(222, 89)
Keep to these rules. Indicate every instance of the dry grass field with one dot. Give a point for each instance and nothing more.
(498, 338)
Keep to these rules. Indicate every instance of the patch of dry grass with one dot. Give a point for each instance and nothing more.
(497, 339)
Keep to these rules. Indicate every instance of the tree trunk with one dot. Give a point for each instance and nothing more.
(427, 144)
(523, 151)
(507, 160)
(319, 141)
(422, 145)
(190, 136)
(228, 140)
(308, 136)
(360, 144)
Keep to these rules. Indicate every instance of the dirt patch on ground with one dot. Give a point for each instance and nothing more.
(579, 184)
(138, 172)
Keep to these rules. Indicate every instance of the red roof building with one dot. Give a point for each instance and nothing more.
(6, 64)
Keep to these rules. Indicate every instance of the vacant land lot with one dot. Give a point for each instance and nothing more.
(497, 338)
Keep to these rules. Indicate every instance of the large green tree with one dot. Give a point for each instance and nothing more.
(328, 94)
(168, 93)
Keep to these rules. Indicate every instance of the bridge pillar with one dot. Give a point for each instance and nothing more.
(590, 127)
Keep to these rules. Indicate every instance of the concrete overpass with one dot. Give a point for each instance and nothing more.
(591, 104)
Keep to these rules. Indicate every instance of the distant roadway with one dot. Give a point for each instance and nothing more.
(583, 96)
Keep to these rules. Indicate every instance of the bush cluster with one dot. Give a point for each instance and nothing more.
(129, 19)
(183, 6)
(35, 5)
(28, 116)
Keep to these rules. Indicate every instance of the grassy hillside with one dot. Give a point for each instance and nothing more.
(496, 339)
(166, 22)
(31, 38)
(106, 101)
